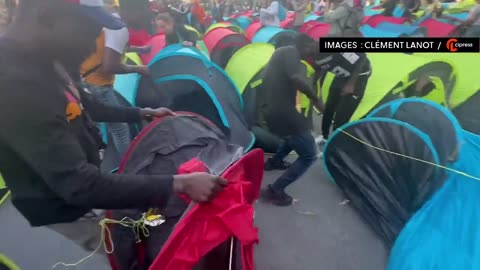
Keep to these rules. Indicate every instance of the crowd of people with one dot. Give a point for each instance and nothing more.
(55, 87)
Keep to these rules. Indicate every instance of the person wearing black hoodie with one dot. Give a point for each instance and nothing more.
(174, 32)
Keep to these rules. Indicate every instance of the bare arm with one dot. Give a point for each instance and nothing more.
(112, 64)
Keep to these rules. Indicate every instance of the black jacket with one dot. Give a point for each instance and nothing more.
(49, 150)
(181, 34)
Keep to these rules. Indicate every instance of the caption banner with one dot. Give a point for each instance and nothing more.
(400, 45)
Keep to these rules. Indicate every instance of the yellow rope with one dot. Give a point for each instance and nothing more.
(410, 157)
(138, 226)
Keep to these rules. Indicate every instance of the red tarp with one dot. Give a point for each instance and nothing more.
(438, 29)
(375, 20)
(207, 226)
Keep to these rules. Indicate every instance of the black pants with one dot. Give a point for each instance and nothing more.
(340, 108)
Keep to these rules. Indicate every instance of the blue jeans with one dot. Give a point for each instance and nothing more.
(118, 132)
(306, 148)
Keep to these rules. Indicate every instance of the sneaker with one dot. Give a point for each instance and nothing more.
(320, 140)
(270, 166)
(279, 198)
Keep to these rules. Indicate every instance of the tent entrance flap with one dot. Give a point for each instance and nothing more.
(207, 90)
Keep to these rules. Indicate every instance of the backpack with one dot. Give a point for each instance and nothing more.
(282, 12)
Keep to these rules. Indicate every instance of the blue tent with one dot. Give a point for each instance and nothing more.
(270, 34)
(184, 79)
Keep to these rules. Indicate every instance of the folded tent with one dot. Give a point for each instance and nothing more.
(183, 79)
(222, 43)
(220, 235)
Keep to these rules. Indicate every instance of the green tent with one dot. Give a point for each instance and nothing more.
(393, 73)
(465, 95)
(3, 190)
(7, 264)
(224, 25)
(247, 62)
(465, 72)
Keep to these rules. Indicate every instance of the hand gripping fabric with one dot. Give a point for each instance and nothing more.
(206, 226)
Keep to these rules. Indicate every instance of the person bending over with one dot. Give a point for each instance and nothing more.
(49, 147)
(284, 75)
(352, 71)
(174, 32)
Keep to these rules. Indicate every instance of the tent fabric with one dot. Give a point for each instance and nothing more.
(161, 148)
(287, 23)
(245, 69)
(269, 34)
(242, 21)
(383, 81)
(311, 18)
(222, 43)
(385, 189)
(224, 25)
(318, 31)
(179, 72)
(466, 83)
(7, 264)
(375, 20)
(206, 227)
(247, 62)
(157, 43)
(398, 28)
(443, 233)
(438, 29)
(193, 29)
(252, 29)
(368, 31)
(4, 192)
(307, 26)
(468, 113)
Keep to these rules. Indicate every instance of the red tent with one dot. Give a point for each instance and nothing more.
(208, 231)
(306, 26)
(252, 29)
(287, 23)
(157, 42)
(318, 31)
(222, 43)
